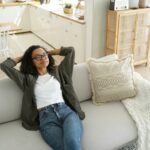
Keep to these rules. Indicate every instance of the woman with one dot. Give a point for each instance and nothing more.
(49, 101)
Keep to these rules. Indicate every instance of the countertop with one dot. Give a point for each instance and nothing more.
(57, 11)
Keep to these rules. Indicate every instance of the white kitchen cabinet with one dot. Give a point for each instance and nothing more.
(16, 14)
(65, 32)
(74, 35)
(58, 31)
(39, 20)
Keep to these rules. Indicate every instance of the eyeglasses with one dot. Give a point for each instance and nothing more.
(40, 57)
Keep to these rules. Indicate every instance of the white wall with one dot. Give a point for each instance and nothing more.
(96, 24)
(99, 26)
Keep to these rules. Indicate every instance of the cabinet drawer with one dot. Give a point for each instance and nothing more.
(143, 19)
(125, 51)
(140, 52)
(142, 35)
(125, 38)
(111, 25)
(110, 40)
(127, 23)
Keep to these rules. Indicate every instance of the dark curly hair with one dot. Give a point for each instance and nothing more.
(27, 66)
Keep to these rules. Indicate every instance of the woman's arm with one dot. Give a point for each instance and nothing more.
(67, 63)
(54, 52)
(8, 68)
(17, 59)
(66, 66)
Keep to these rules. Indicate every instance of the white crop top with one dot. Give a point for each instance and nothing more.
(47, 91)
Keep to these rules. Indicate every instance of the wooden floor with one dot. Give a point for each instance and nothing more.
(19, 43)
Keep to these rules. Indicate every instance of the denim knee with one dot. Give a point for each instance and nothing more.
(72, 144)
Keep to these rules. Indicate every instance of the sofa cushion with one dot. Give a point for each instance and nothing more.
(107, 127)
(11, 95)
(81, 82)
(10, 100)
(111, 80)
(14, 137)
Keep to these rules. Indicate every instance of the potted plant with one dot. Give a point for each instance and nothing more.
(68, 8)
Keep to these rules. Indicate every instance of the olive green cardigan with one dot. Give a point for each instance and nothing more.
(26, 82)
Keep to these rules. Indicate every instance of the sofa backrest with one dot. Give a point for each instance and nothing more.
(11, 95)
(81, 82)
(10, 100)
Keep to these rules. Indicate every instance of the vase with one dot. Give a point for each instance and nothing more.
(134, 4)
(144, 3)
(68, 10)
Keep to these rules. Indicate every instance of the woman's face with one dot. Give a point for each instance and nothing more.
(40, 58)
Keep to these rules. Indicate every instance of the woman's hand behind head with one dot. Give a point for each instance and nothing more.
(18, 59)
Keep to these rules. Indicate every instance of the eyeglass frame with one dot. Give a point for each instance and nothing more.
(40, 57)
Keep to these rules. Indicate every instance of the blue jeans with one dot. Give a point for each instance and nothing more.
(61, 127)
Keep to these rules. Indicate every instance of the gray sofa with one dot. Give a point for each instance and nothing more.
(106, 127)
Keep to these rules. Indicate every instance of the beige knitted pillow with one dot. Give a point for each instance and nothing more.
(111, 80)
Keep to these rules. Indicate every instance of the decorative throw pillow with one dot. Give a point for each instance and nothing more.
(106, 58)
(111, 80)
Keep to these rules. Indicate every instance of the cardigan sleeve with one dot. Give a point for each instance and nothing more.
(67, 64)
(65, 71)
(8, 68)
